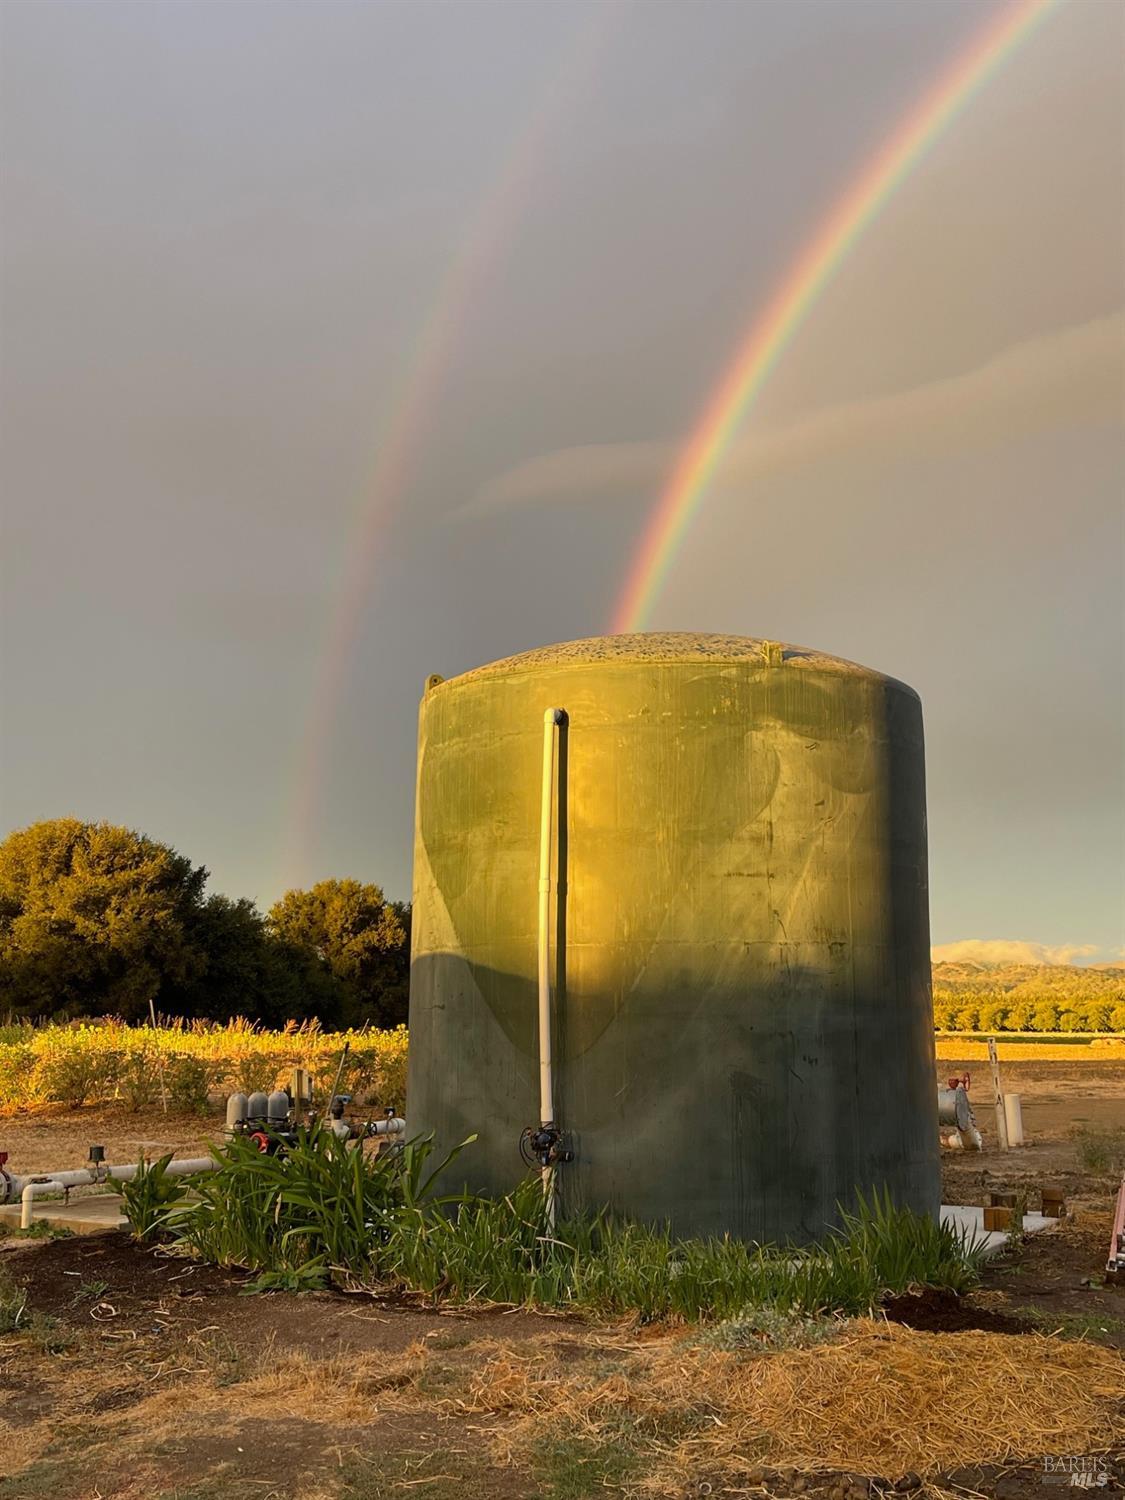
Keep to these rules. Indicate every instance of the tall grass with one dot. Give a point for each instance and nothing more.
(321, 1211)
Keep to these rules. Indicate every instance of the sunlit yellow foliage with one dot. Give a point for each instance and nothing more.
(97, 1062)
(1087, 1050)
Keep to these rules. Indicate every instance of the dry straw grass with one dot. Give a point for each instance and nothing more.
(880, 1400)
(889, 1399)
(883, 1400)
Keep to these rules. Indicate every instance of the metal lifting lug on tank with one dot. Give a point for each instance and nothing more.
(670, 901)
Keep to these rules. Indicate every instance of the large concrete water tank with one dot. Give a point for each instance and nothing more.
(743, 1027)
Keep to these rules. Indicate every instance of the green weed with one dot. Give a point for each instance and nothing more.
(89, 1291)
(147, 1198)
(1100, 1151)
(1089, 1325)
(576, 1468)
(760, 1330)
(16, 1317)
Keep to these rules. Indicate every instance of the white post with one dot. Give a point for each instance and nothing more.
(160, 1053)
(998, 1095)
(1013, 1119)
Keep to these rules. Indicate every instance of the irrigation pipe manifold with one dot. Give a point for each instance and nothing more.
(39, 1184)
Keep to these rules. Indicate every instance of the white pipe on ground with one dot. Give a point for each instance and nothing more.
(13, 1186)
(552, 718)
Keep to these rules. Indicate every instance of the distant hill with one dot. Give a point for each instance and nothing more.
(1097, 981)
(1028, 997)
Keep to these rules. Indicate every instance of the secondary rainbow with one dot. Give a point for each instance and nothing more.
(773, 330)
(488, 233)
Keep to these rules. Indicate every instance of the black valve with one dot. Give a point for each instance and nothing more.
(541, 1145)
(97, 1155)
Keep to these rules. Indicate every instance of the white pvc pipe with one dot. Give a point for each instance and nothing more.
(13, 1186)
(1013, 1118)
(395, 1126)
(32, 1190)
(552, 717)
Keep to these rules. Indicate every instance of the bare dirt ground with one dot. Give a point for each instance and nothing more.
(147, 1375)
(55, 1138)
(1058, 1098)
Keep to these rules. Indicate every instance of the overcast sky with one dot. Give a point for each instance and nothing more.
(346, 343)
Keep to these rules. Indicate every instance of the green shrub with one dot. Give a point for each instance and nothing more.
(255, 1071)
(1101, 1151)
(316, 1206)
(139, 1076)
(188, 1081)
(75, 1075)
(19, 1084)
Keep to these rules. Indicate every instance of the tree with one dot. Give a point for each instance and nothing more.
(349, 934)
(242, 969)
(1045, 1016)
(93, 918)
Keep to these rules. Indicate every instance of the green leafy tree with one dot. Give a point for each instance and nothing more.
(93, 918)
(1020, 1016)
(993, 1015)
(1045, 1017)
(348, 934)
(242, 969)
(1096, 1015)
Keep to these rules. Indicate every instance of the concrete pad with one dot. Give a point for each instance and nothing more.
(81, 1215)
(969, 1218)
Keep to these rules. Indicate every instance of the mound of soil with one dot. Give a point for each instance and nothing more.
(135, 1277)
(111, 1280)
(934, 1311)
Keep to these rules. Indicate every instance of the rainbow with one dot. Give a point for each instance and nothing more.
(490, 230)
(774, 329)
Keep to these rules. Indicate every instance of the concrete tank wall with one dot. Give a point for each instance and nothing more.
(743, 1025)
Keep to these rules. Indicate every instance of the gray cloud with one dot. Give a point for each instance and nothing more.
(224, 236)
(1050, 381)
